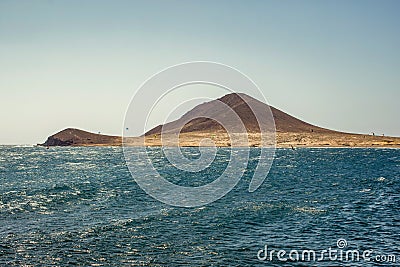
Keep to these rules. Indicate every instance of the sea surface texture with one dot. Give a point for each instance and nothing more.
(81, 207)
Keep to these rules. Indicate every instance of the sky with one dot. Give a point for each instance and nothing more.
(335, 64)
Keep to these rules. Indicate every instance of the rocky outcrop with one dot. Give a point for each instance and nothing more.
(53, 141)
(76, 137)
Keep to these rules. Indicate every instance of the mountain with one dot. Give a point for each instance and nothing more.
(243, 105)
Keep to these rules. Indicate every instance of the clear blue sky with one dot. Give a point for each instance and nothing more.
(63, 64)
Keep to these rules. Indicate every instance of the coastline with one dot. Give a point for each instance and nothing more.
(282, 140)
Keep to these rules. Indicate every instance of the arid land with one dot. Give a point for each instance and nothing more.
(285, 131)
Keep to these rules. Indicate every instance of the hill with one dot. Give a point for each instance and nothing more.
(76, 137)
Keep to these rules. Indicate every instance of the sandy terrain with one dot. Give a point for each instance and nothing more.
(282, 140)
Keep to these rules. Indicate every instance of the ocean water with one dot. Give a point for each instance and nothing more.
(81, 207)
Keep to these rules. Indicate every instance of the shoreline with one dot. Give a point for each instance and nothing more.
(76, 138)
(156, 146)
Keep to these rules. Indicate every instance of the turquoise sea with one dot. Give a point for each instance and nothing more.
(81, 207)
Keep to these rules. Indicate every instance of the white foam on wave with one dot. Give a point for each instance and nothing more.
(365, 190)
